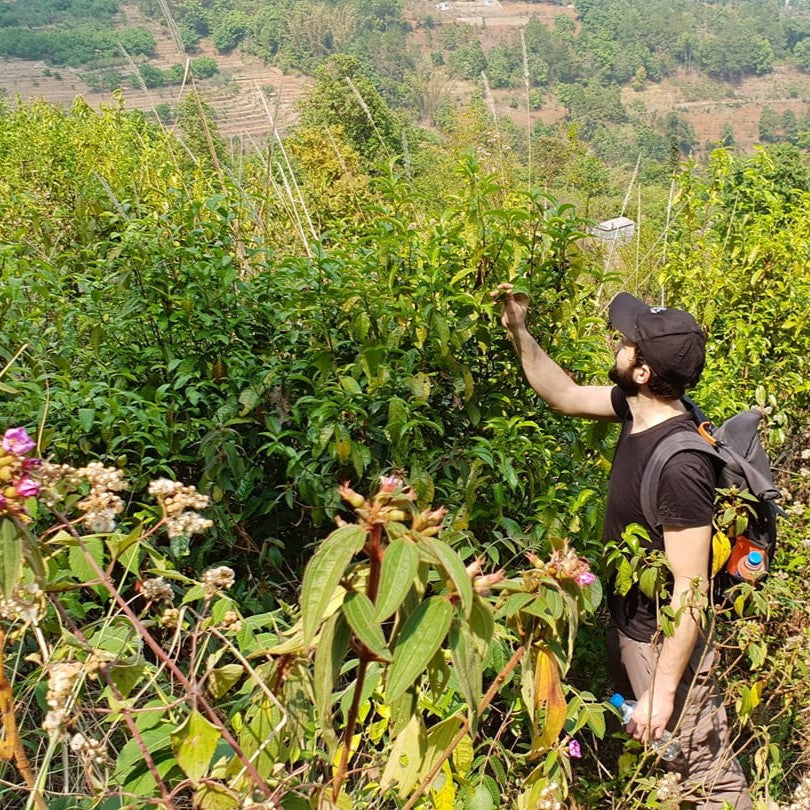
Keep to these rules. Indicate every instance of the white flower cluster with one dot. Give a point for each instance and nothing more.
(547, 800)
(89, 750)
(157, 590)
(217, 579)
(102, 505)
(26, 603)
(179, 503)
(669, 788)
(801, 798)
(61, 680)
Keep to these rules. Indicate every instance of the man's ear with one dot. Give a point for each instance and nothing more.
(642, 374)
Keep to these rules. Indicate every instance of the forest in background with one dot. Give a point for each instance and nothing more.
(268, 325)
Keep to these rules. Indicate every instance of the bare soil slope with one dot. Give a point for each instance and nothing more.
(249, 97)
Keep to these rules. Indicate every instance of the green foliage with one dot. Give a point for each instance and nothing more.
(80, 45)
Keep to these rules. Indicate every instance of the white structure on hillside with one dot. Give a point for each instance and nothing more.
(618, 230)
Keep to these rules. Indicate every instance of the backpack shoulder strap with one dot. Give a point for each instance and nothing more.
(664, 451)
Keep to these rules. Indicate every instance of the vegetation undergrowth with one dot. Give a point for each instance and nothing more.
(185, 316)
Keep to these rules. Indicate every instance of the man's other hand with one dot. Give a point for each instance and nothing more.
(650, 717)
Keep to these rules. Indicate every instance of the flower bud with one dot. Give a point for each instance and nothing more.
(350, 496)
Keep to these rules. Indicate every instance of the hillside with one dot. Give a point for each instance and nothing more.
(249, 95)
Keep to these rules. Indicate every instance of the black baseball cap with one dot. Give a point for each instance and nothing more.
(671, 341)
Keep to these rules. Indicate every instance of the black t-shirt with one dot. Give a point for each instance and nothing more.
(685, 500)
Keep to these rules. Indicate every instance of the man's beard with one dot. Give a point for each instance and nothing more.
(624, 379)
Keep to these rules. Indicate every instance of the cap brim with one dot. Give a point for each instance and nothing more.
(623, 313)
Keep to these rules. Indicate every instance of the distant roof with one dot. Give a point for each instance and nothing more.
(615, 224)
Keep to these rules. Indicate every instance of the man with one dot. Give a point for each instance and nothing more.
(659, 353)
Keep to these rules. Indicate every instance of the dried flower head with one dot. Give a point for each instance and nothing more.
(157, 590)
(217, 579)
(179, 504)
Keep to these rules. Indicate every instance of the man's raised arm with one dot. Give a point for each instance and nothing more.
(542, 373)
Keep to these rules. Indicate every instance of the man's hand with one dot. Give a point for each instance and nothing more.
(650, 717)
(514, 306)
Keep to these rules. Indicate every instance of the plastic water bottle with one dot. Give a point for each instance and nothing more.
(752, 566)
(665, 746)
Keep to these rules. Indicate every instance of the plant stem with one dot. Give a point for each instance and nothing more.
(465, 727)
(375, 554)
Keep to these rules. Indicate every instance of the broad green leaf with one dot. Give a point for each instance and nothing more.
(454, 566)
(406, 757)
(332, 648)
(221, 679)
(399, 566)
(439, 738)
(194, 743)
(468, 667)
(514, 602)
(479, 799)
(86, 418)
(359, 611)
(212, 796)
(421, 636)
(80, 566)
(324, 572)
(10, 556)
(126, 676)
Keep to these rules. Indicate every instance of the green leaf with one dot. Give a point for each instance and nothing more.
(194, 743)
(399, 566)
(359, 611)
(332, 648)
(126, 676)
(221, 679)
(80, 567)
(10, 557)
(468, 667)
(406, 757)
(421, 636)
(454, 567)
(86, 418)
(324, 572)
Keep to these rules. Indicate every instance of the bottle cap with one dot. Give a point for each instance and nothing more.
(616, 700)
(755, 557)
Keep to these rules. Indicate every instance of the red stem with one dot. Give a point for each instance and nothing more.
(375, 554)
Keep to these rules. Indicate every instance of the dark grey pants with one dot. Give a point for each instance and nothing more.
(710, 772)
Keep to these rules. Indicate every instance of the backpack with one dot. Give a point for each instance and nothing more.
(740, 459)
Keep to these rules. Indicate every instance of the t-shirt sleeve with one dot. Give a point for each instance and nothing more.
(686, 491)
(618, 400)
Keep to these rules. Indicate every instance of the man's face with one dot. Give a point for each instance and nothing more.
(622, 372)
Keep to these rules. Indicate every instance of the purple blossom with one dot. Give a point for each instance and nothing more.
(27, 488)
(585, 578)
(18, 442)
(574, 751)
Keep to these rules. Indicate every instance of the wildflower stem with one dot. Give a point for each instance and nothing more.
(375, 553)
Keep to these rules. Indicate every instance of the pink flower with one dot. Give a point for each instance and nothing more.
(574, 751)
(27, 488)
(585, 578)
(390, 483)
(17, 441)
(29, 464)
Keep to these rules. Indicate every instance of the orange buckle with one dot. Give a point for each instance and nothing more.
(703, 431)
